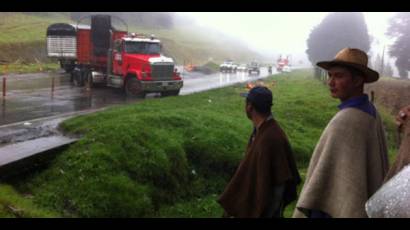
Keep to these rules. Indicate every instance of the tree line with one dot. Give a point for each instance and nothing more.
(339, 30)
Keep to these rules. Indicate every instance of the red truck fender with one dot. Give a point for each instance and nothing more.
(134, 72)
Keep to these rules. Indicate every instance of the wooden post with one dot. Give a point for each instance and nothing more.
(4, 86)
(4, 81)
(372, 96)
(88, 82)
(382, 64)
(52, 86)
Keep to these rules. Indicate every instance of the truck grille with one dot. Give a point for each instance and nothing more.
(162, 71)
(61, 46)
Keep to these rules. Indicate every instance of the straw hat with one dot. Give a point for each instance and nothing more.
(354, 58)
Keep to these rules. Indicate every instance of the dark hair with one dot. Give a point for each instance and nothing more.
(262, 108)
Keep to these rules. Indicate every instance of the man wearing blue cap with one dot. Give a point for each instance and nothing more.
(266, 179)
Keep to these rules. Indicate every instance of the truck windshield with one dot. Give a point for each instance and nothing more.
(142, 48)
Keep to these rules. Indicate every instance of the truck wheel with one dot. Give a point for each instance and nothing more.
(133, 88)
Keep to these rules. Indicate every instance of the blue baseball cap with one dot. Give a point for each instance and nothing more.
(260, 96)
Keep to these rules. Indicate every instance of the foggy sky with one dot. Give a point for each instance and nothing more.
(285, 33)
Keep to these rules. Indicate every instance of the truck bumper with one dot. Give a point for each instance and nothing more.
(160, 86)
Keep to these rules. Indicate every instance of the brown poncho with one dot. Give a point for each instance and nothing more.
(403, 158)
(348, 165)
(268, 162)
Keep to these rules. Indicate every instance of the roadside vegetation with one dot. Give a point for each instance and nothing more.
(171, 157)
(13, 204)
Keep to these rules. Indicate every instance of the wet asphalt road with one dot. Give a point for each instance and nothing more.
(31, 96)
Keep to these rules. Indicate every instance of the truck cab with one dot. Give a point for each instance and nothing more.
(138, 60)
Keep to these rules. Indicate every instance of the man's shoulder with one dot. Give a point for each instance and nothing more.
(273, 129)
(273, 135)
(347, 123)
(352, 117)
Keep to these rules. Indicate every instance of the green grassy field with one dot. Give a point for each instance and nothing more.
(25, 28)
(171, 157)
(23, 41)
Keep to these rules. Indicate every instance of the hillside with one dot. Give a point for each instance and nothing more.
(22, 41)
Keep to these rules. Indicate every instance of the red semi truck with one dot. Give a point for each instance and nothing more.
(282, 64)
(101, 54)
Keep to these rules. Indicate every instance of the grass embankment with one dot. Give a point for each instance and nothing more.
(13, 204)
(23, 41)
(172, 157)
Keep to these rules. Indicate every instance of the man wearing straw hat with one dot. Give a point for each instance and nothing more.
(350, 161)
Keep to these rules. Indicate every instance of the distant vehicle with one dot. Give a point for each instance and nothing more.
(242, 68)
(254, 67)
(228, 67)
(234, 67)
(282, 64)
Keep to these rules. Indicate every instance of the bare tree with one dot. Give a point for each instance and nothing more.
(399, 28)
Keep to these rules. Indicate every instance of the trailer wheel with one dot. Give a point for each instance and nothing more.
(133, 88)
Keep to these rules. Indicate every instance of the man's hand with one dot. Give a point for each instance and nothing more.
(403, 114)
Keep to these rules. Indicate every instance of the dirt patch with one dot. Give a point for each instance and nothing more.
(391, 93)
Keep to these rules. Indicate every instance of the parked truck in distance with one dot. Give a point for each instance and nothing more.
(228, 67)
(101, 54)
(254, 67)
(283, 65)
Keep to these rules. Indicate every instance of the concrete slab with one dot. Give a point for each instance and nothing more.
(19, 151)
